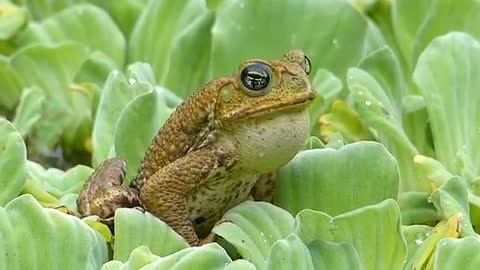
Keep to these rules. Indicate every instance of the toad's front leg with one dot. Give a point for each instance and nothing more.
(165, 193)
(103, 192)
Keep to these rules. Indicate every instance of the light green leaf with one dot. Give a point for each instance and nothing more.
(253, 227)
(458, 254)
(328, 86)
(134, 228)
(86, 24)
(145, 114)
(148, 44)
(210, 256)
(124, 12)
(342, 120)
(376, 109)
(415, 236)
(374, 231)
(56, 182)
(139, 257)
(250, 28)
(117, 92)
(28, 111)
(43, 8)
(13, 158)
(33, 237)
(417, 208)
(12, 18)
(240, 265)
(416, 23)
(11, 85)
(52, 69)
(447, 77)
(334, 255)
(289, 253)
(337, 181)
(95, 69)
(450, 199)
(187, 72)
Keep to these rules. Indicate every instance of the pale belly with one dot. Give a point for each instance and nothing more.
(261, 146)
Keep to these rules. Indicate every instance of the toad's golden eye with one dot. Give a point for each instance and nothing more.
(307, 65)
(256, 79)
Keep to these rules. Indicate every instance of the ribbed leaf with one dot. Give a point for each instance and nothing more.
(145, 114)
(134, 228)
(13, 159)
(117, 92)
(253, 227)
(447, 77)
(374, 231)
(337, 181)
(289, 253)
(458, 254)
(334, 255)
(32, 237)
(79, 23)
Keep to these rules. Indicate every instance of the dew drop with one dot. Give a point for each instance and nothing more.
(368, 103)
(335, 43)
(132, 81)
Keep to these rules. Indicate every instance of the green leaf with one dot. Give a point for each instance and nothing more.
(416, 23)
(134, 228)
(28, 111)
(11, 85)
(95, 69)
(124, 12)
(415, 236)
(458, 254)
(417, 208)
(240, 265)
(337, 181)
(52, 68)
(12, 19)
(328, 87)
(13, 158)
(450, 200)
(377, 110)
(334, 255)
(49, 186)
(253, 227)
(447, 77)
(289, 253)
(210, 256)
(148, 44)
(145, 114)
(250, 28)
(43, 8)
(343, 120)
(37, 238)
(139, 257)
(374, 231)
(196, 37)
(117, 92)
(86, 24)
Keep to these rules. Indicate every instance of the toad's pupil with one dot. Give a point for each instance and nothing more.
(255, 76)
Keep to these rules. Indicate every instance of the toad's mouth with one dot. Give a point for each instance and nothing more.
(296, 104)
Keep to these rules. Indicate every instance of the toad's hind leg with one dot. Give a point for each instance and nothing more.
(103, 192)
(264, 187)
(164, 194)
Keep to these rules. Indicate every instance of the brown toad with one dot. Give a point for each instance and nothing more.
(219, 146)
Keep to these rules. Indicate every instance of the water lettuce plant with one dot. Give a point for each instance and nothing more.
(388, 180)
